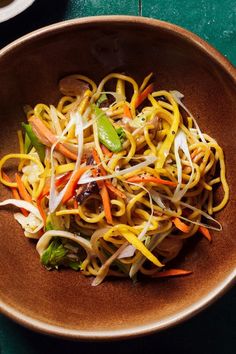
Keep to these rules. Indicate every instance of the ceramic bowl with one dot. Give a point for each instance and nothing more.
(63, 302)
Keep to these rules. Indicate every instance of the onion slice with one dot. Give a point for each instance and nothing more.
(181, 143)
(201, 212)
(85, 178)
(22, 204)
(177, 97)
(47, 236)
(55, 198)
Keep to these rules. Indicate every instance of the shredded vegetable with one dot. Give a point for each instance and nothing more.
(114, 179)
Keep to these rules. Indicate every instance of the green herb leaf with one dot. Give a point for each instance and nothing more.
(54, 254)
(74, 265)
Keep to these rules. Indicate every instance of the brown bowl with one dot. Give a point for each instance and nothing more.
(64, 303)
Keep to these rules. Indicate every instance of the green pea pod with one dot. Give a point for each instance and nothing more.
(106, 132)
(40, 148)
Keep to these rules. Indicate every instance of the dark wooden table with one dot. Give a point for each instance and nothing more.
(214, 330)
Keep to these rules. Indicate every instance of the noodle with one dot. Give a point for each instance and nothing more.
(118, 177)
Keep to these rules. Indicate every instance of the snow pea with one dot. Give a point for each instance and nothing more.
(40, 148)
(107, 134)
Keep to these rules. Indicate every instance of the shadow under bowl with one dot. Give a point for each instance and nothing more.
(64, 303)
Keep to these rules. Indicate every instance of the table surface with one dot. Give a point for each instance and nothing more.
(213, 330)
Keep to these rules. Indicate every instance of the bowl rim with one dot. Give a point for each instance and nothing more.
(206, 300)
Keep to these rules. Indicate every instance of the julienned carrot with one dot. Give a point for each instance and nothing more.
(143, 95)
(22, 190)
(15, 193)
(103, 189)
(61, 180)
(205, 232)
(114, 190)
(106, 152)
(48, 138)
(98, 162)
(138, 179)
(41, 210)
(73, 183)
(127, 112)
(171, 273)
(106, 202)
(181, 225)
(62, 149)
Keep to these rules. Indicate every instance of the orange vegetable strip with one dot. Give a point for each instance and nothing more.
(41, 210)
(138, 179)
(48, 138)
(15, 194)
(73, 183)
(127, 112)
(205, 232)
(22, 190)
(195, 152)
(62, 149)
(103, 189)
(98, 162)
(171, 273)
(106, 152)
(114, 190)
(58, 183)
(75, 204)
(143, 95)
(181, 225)
(106, 202)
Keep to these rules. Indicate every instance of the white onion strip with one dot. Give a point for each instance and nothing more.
(22, 204)
(155, 240)
(55, 198)
(177, 97)
(86, 179)
(47, 236)
(181, 143)
(201, 212)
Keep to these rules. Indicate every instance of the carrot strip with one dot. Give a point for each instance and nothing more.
(194, 153)
(205, 232)
(97, 160)
(73, 183)
(41, 210)
(103, 189)
(171, 273)
(62, 149)
(127, 112)
(15, 193)
(137, 179)
(106, 152)
(143, 95)
(76, 204)
(181, 225)
(47, 138)
(63, 179)
(114, 190)
(22, 190)
(106, 202)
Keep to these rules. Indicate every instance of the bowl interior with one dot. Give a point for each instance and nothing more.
(64, 302)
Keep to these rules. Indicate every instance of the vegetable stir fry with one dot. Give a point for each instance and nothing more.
(115, 178)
